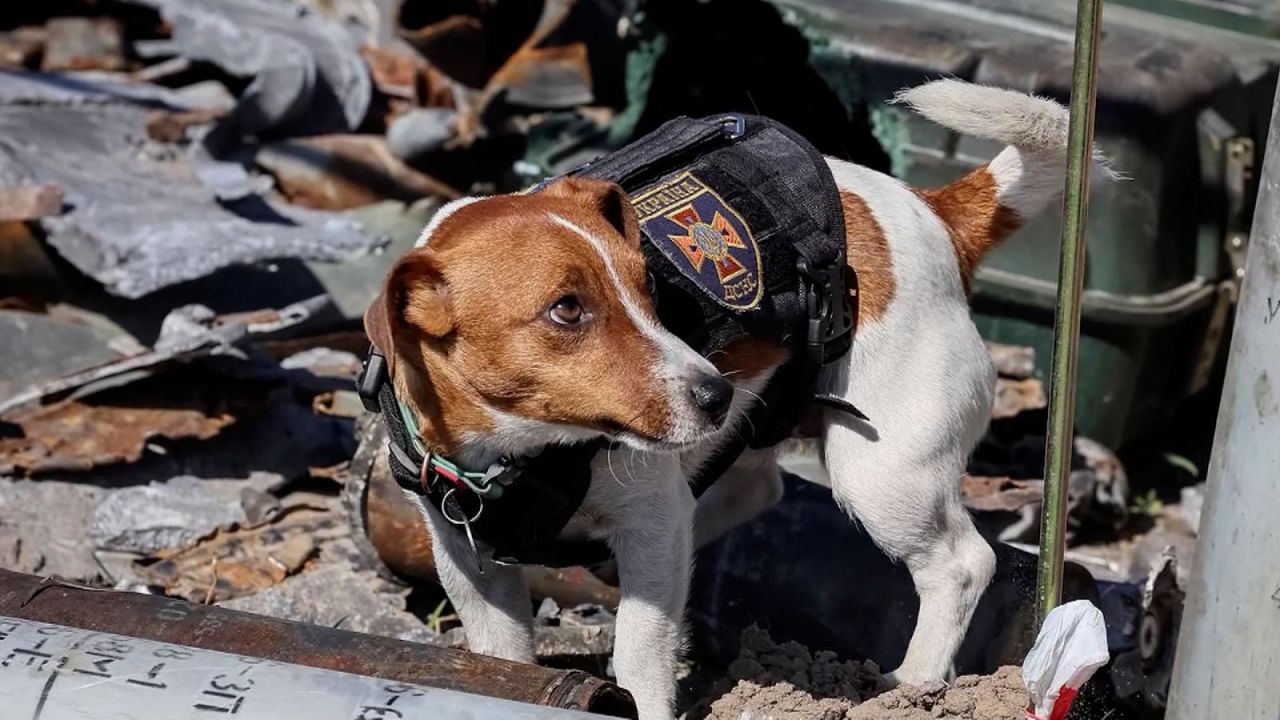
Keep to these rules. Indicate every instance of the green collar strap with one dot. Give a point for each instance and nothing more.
(489, 483)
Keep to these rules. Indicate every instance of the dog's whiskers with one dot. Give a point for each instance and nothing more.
(608, 459)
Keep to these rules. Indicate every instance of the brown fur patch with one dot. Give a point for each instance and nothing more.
(468, 314)
(748, 357)
(867, 252)
(975, 219)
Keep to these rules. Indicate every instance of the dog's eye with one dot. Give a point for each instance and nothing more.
(566, 311)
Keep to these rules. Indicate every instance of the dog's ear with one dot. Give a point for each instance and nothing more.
(414, 299)
(606, 198)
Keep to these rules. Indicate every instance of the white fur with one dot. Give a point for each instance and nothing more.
(1029, 173)
(441, 215)
(920, 372)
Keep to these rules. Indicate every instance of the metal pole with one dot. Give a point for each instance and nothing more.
(178, 622)
(1228, 659)
(1066, 330)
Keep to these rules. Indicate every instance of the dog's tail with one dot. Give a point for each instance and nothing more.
(988, 204)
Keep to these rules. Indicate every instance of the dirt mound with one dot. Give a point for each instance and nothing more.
(999, 696)
(788, 682)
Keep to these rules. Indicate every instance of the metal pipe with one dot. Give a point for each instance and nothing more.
(1066, 327)
(1228, 657)
(173, 621)
(55, 671)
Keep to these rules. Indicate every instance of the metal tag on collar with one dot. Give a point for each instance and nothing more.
(373, 373)
(464, 521)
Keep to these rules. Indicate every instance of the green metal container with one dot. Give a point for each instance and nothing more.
(1163, 245)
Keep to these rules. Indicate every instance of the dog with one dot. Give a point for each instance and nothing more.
(523, 321)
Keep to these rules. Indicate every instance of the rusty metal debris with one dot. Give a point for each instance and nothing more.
(1013, 397)
(176, 621)
(341, 172)
(239, 561)
(72, 435)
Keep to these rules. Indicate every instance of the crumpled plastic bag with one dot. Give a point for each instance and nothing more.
(1072, 645)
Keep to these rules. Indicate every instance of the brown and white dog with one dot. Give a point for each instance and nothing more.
(521, 321)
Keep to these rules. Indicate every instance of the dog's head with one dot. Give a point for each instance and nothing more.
(523, 320)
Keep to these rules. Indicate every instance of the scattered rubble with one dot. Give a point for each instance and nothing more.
(243, 560)
(151, 518)
(789, 682)
(339, 595)
(195, 210)
(83, 44)
(42, 527)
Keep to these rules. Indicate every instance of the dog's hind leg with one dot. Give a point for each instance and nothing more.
(911, 507)
(494, 607)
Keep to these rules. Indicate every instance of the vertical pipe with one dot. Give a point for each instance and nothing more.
(1228, 658)
(1066, 328)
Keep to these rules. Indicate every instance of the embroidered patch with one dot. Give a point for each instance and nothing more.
(705, 238)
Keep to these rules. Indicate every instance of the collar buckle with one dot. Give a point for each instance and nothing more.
(373, 372)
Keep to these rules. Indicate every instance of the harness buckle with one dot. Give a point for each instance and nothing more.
(733, 125)
(373, 372)
(827, 309)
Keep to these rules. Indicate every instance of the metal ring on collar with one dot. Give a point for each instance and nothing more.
(444, 509)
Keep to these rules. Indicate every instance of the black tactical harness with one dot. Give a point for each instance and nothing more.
(743, 235)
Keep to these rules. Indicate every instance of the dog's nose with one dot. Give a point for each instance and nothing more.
(713, 394)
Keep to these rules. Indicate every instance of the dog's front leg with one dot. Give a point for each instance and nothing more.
(494, 607)
(654, 551)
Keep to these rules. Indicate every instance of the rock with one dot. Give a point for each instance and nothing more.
(420, 131)
(40, 347)
(324, 362)
(341, 596)
(172, 514)
(42, 528)
(83, 44)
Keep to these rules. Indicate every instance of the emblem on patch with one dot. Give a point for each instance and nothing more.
(705, 238)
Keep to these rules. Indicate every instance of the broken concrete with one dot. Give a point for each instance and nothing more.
(39, 347)
(173, 514)
(339, 595)
(42, 528)
(139, 218)
(77, 43)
